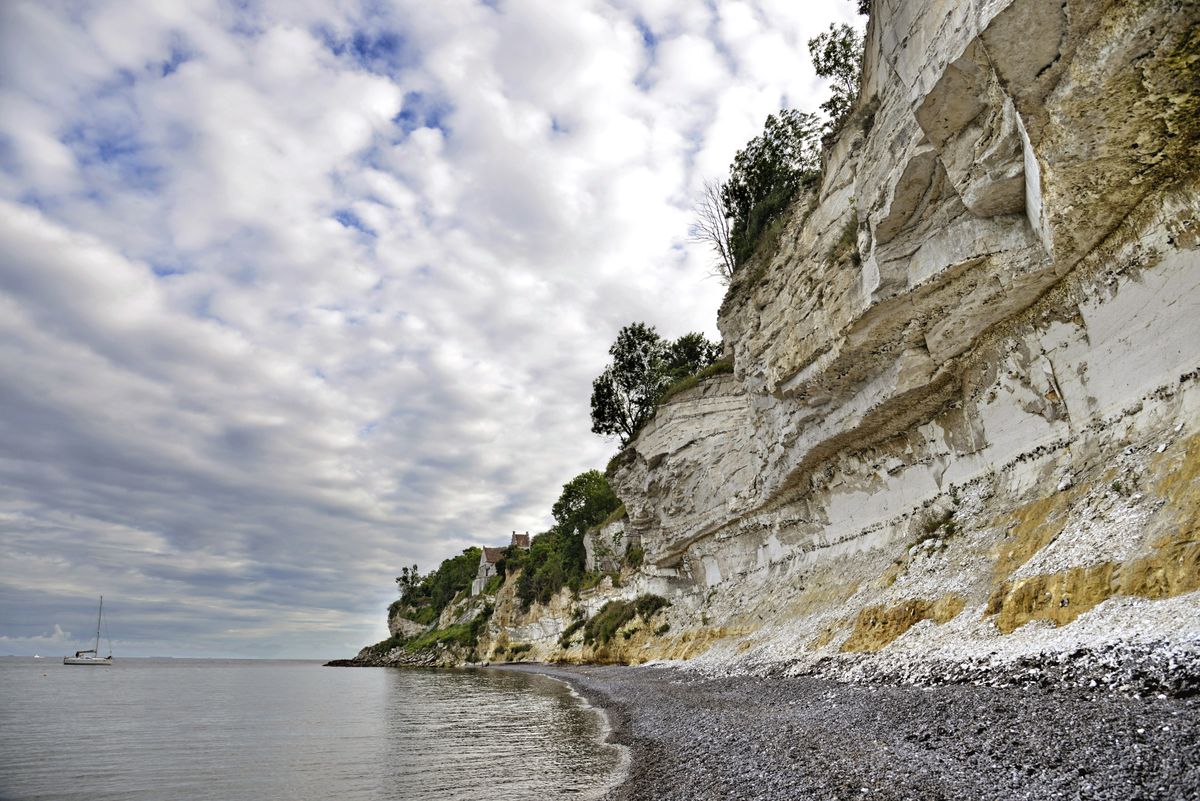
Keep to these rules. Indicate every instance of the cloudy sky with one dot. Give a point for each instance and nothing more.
(294, 293)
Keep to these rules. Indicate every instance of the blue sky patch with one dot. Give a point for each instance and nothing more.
(384, 52)
(649, 39)
(421, 110)
(117, 148)
(349, 219)
(34, 201)
(163, 270)
(650, 44)
(8, 155)
(174, 60)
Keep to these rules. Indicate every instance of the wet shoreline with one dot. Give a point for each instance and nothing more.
(609, 737)
(742, 737)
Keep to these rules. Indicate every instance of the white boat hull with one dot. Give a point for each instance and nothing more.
(91, 656)
(87, 660)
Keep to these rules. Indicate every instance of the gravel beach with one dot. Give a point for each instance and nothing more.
(694, 737)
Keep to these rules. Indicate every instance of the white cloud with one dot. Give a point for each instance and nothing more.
(295, 294)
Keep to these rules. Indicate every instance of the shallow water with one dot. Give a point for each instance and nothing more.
(249, 729)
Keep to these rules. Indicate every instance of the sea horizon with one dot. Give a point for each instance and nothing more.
(194, 658)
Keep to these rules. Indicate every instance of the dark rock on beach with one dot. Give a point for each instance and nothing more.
(438, 656)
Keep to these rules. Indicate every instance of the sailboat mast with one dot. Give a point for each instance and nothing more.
(98, 616)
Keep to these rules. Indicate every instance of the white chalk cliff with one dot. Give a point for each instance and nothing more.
(963, 426)
(964, 417)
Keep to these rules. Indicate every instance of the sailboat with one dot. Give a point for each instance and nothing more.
(92, 655)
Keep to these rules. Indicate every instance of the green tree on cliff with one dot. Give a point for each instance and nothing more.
(643, 366)
(585, 501)
(733, 217)
(438, 588)
(556, 558)
(408, 581)
(766, 174)
(690, 354)
(623, 396)
(837, 55)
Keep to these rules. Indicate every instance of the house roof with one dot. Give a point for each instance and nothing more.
(493, 555)
(521, 540)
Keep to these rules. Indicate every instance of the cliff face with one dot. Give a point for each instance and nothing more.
(965, 392)
(963, 431)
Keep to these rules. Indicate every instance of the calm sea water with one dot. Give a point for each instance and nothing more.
(215, 729)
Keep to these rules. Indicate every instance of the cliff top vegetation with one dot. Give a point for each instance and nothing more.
(556, 558)
(422, 598)
(738, 217)
(643, 367)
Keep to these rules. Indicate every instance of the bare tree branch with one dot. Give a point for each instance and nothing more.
(711, 227)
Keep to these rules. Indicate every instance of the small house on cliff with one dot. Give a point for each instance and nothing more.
(489, 561)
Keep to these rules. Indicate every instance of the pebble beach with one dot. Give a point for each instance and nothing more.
(694, 737)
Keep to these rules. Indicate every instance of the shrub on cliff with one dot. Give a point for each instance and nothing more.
(381, 648)
(615, 614)
(423, 615)
(463, 635)
(647, 605)
(718, 367)
(458, 634)
(568, 634)
(611, 617)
